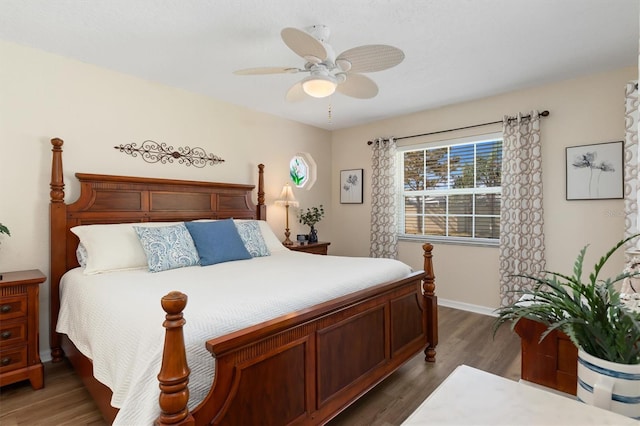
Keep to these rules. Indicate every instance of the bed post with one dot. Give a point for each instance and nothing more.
(261, 209)
(174, 372)
(431, 304)
(58, 246)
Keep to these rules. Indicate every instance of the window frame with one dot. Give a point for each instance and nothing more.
(474, 241)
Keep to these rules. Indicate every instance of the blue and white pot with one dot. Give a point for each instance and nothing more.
(609, 385)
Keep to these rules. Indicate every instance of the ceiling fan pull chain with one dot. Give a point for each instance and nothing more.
(329, 112)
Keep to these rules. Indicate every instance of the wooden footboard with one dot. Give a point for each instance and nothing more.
(306, 367)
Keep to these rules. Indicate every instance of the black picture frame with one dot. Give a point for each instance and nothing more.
(595, 171)
(351, 186)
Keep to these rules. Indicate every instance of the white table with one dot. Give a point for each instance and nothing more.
(474, 397)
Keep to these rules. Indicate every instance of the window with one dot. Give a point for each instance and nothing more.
(452, 190)
(302, 170)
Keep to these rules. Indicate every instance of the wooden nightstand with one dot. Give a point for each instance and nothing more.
(316, 248)
(19, 304)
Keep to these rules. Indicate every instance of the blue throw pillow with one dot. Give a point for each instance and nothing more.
(167, 247)
(217, 241)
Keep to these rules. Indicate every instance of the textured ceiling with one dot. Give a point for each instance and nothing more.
(456, 50)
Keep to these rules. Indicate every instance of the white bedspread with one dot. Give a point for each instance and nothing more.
(97, 313)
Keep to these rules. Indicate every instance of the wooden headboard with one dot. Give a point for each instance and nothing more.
(120, 199)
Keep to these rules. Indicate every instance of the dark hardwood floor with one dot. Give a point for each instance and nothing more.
(465, 338)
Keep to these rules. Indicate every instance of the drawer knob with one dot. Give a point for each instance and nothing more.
(5, 334)
(6, 361)
(5, 308)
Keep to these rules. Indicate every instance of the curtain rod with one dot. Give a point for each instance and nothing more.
(544, 113)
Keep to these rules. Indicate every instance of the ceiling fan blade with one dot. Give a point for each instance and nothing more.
(267, 70)
(295, 93)
(304, 44)
(370, 58)
(358, 86)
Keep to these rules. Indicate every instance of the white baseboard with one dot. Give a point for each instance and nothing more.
(467, 307)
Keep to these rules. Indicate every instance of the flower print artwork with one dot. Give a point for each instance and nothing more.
(594, 171)
(589, 161)
(351, 186)
(350, 182)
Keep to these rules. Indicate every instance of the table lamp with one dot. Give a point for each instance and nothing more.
(287, 199)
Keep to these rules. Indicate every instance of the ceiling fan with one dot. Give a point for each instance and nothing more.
(328, 73)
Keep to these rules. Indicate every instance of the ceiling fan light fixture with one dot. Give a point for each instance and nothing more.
(319, 86)
(327, 72)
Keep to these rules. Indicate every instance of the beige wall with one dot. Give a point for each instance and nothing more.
(583, 111)
(93, 109)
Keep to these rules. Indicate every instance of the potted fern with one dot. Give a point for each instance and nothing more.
(605, 330)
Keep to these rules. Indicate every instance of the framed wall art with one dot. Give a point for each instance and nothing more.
(595, 172)
(351, 186)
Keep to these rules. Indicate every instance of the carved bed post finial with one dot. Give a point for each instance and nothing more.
(57, 179)
(431, 304)
(262, 209)
(429, 280)
(174, 373)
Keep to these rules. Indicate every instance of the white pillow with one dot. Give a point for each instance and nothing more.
(113, 247)
(273, 243)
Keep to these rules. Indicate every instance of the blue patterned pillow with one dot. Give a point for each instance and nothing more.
(81, 255)
(252, 238)
(217, 241)
(167, 247)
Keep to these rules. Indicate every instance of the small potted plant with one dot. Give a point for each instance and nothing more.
(310, 217)
(600, 324)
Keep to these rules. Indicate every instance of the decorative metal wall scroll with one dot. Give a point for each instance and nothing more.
(154, 152)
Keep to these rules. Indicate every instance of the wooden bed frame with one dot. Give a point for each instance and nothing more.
(302, 368)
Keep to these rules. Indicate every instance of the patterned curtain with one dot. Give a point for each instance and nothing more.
(631, 225)
(384, 232)
(521, 220)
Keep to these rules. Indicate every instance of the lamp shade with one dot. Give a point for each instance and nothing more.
(286, 197)
(319, 86)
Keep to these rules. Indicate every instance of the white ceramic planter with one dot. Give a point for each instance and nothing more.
(609, 385)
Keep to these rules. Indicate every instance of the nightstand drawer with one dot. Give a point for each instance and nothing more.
(316, 250)
(12, 333)
(19, 308)
(313, 248)
(13, 358)
(13, 307)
